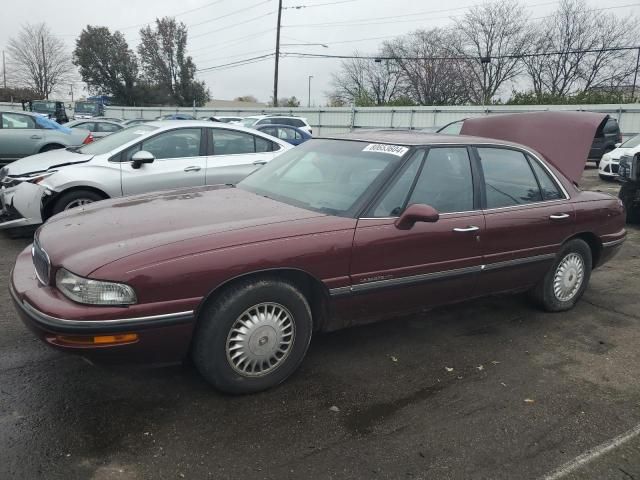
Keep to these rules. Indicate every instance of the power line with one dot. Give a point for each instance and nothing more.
(299, 7)
(179, 14)
(237, 63)
(234, 41)
(232, 26)
(228, 14)
(235, 56)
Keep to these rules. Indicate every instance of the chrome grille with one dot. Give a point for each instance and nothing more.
(41, 263)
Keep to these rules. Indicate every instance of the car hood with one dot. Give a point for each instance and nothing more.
(563, 138)
(45, 161)
(87, 238)
(619, 152)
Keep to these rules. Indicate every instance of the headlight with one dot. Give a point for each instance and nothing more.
(37, 177)
(93, 292)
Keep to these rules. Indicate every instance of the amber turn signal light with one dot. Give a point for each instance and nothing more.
(95, 340)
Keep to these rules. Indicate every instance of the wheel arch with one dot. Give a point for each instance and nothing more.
(47, 206)
(595, 245)
(51, 146)
(313, 289)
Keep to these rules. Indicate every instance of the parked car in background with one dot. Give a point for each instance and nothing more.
(298, 122)
(227, 119)
(177, 116)
(155, 156)
(335, 232)
(135, 121)
(608, 168)
(111, 119)
(605, 140)
(47, 108)
(23, 134)
(292, 135)
(84, 109)
(99, 128)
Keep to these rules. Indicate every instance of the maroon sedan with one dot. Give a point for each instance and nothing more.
(336, 232)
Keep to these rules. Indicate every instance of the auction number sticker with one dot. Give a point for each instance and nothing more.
(396, 150)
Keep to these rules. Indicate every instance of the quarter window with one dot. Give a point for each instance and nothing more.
(17, 121)
(508, 178)
(548, 187)
(445, 181)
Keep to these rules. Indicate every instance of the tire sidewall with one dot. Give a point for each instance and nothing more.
(216, 320)
(573, 246)
(66, 198)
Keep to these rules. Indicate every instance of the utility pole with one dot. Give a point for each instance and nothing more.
(71, 85)
(4, 71)
(635, 78)
(275, 75)
(309, 103)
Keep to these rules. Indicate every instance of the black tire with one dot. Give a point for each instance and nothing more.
(597, 163)
(606, 178)
(628, 193)
(217, 319)
(66, 199)
(544, 294)
(48, 148)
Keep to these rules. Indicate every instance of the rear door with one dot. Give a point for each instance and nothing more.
(528, 217)
(232, 155)
(180, 161)
(431, 263)
(19, 136)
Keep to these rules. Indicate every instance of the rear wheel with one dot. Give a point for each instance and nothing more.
(252, 336)
(75, 198)
(567, 279)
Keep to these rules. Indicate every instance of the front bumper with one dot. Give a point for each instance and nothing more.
(608, 167)
(21, 206)
(163, 337)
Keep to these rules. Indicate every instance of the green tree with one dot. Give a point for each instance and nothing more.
(107, 64)
(162, 53)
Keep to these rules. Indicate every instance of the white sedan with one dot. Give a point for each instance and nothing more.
(140, 159)
(608, 168)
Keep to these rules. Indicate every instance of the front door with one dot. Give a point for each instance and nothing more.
(179, 162)
(528, 217)
(430, 263)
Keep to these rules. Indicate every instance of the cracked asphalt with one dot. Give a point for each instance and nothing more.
(492, 389)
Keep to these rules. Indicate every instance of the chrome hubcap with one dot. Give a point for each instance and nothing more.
(568, 278)
(78, 203)
(260, 339)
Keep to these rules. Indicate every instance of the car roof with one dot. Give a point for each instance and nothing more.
(416, 138)
(170, 124)
(281, 125)
(33, 114)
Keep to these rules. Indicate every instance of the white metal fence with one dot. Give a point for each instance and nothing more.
(330, 120)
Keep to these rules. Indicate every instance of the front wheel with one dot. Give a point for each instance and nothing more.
(567, 279)
(252, 336)
(75, 198)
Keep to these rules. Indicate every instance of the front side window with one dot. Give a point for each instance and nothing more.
(17, 121)
(508, 178)
(394, 199)
(445, 181)
(181, 143)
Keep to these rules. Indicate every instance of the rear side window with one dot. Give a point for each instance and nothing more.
(508, 178)
(264, 145)
(296, 122)
(548, 187)
(107, 127)
(229, 142)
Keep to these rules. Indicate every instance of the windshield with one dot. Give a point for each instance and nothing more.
(113, 141)
(48, 107)
(633, 142)
(328, 176)
(86, 107)
(249, 121)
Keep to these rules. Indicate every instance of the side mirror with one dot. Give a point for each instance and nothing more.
(141, 157)
(416, 213)
(617, 145)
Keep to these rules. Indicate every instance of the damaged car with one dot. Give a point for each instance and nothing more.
(339, 231)
(143, 158)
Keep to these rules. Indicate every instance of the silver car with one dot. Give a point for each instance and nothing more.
(143, 158)
(24, 133)
(99, 128)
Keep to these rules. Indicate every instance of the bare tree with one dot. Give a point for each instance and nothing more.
(367, 82)
(572, 50)
(494, 34)
(40, 61)
(430, 73)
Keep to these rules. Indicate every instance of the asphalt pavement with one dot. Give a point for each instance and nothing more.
(492, 389)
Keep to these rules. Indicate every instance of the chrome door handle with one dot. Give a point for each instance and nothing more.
(36, 137)
(470, 228)
(260, 162)
(559, 216)
(193, 168)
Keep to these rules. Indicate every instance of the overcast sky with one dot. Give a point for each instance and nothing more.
(226, 31)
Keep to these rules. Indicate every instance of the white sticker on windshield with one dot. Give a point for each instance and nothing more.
(139, 132)
(396, 150)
